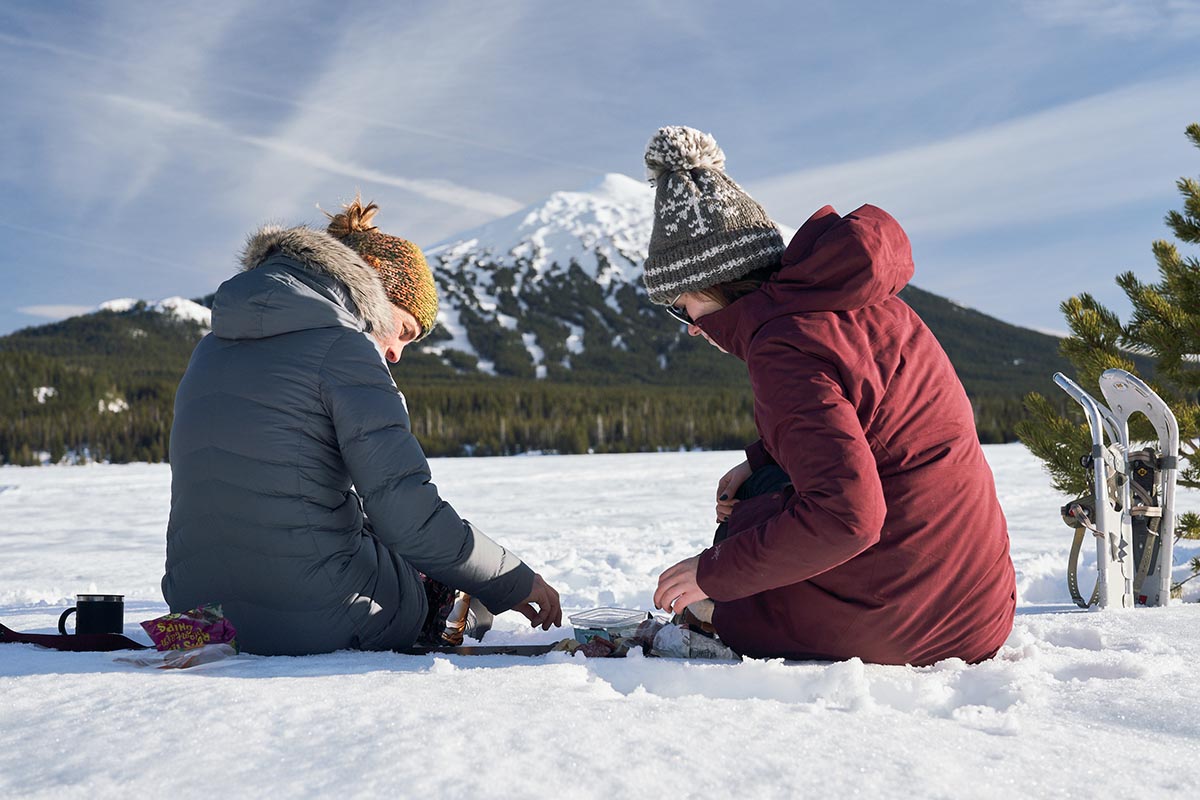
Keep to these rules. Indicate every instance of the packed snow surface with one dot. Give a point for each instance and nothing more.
(1077, 704)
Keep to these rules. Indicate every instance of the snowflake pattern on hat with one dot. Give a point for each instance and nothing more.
(707, 230)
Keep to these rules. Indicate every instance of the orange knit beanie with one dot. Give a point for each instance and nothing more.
(406, 276)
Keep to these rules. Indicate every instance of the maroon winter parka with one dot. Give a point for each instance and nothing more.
(890, 545)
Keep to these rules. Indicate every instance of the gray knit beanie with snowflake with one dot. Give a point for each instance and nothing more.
(707, 230)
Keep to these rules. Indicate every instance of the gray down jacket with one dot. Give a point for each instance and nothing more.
(300, 500)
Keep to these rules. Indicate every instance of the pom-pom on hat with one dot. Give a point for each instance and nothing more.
(707, 230)
(401, 265)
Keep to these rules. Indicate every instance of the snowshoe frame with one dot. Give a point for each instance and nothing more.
(1131, 510)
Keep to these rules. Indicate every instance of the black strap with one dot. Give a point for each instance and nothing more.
(1077, 515)
(528, 650)
(1073, 573)
(73, 643)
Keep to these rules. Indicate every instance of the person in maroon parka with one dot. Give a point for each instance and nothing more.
(865, 522)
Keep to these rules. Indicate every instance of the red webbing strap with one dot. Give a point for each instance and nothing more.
(73, 643)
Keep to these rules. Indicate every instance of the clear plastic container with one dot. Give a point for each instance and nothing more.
(607, 622)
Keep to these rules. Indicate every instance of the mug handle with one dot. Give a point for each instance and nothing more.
(62, 621)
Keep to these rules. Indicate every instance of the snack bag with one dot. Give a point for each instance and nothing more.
(680, 641)
(199, 627)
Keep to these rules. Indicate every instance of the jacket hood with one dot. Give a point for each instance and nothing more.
(298, 279)
(833, 263)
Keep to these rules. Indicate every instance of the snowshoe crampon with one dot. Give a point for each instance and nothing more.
(1131, 509)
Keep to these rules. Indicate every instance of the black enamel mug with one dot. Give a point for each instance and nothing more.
(96, 613)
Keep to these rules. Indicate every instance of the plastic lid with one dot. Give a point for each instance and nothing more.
(607, 617)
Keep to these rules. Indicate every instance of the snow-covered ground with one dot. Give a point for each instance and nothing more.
(1077, 704)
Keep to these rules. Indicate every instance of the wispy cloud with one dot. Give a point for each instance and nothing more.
(329, 111)
(1120, 18)
(1100, 153)
(440, 190)
(54, 49)
(55, 311)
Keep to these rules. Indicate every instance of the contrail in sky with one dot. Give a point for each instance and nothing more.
(58, 50)
(440, 190)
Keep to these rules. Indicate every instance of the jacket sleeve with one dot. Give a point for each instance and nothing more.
(757, 456)
(838, 508)
(391, 475)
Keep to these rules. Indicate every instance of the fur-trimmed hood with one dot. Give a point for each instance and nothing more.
(321, 253)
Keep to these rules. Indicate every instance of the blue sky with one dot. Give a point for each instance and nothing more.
(1030, 147)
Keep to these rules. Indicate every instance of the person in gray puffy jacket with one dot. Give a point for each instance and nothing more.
(300, 500)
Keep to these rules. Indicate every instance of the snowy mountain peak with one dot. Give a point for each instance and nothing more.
(613, 215)
(514, 284)
(555, 287)
(619, 188)
(178, 307)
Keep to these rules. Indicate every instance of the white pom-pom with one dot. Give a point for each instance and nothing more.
(678, 148)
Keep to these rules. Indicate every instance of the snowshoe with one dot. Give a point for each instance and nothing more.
(1130, 510)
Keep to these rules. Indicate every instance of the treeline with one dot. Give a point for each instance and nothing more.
(496, 417)
(506, 418)
(52, 408)
(102, 388)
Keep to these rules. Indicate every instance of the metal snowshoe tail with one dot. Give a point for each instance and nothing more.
(1131, 509)
(1150, 488)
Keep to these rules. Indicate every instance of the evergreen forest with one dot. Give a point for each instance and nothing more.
(101, 387)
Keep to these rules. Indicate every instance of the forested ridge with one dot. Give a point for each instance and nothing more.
(102, 386)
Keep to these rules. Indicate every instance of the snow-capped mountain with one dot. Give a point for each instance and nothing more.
(604, 228)
(554, 287)
(179, 308)
(551, 295)
(554, 291)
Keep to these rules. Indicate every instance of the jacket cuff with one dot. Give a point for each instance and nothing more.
(708, 575)
(757, 456)
(508, 590)
(511, 581)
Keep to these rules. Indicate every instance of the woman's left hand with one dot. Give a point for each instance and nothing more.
(678, 588)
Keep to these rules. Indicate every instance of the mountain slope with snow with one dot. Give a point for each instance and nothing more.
(554, 291)
(550, 296)
(179, 308)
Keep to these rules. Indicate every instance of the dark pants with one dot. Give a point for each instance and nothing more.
(764, 480)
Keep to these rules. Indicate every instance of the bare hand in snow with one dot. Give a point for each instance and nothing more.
(678, 588)
(542, 607)
(727, 487)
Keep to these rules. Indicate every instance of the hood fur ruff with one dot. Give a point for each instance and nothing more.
(321, 253)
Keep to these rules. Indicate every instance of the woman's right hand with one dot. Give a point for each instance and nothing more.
(542, 607)
(727, 487)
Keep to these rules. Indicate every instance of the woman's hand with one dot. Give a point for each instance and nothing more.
(548, 610)
(727, 487)
(677, 587)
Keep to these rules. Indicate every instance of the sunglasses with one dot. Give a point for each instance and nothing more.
(680, 314)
